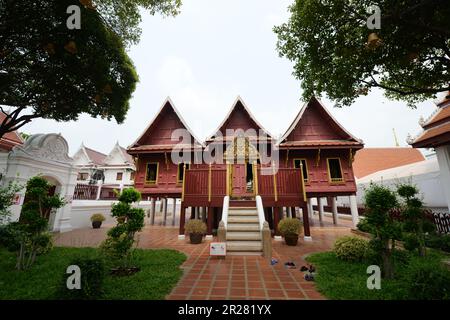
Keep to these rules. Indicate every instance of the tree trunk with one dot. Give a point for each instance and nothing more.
(388, 268)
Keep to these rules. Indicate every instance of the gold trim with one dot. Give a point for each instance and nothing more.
(303, 181)
(146, 173)
(209, 183)
(307, 171)
(335, 180)
(255, 177)
(228, 179)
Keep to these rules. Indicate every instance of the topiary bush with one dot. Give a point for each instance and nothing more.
(195, 226)
(351, 248)
(289, 226)
(363, 226)
(92, 278)
(98, 217)
(428, 281)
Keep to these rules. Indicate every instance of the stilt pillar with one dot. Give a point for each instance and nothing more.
(152, 211)
(334, 210)
(320, 205)
(182, 221)
(354, 210)
(306, 230)
(174, 211)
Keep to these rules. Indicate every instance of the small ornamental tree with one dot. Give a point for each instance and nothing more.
(29, 235)
(379, 201)
(416, 222)
(7, 193)
(130, 220)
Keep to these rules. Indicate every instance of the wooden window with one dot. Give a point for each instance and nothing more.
(180, 173)
(82, 176)
(119, 176)
(151, 174)
(335, 170)
(132, 175)
(305, 167)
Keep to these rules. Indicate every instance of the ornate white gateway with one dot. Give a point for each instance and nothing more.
(45, 155)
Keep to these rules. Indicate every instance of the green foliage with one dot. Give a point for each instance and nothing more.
(118, 245)
(98, 217)
(93, 272)
(160, 272)
(438, 241)
(124, 16)
(351, 248)
(7, 193)
(363, 225)
(428, 281)
(416, 222)
(29, 236)
(328, 43)
(289, 226)
(49, 71)
(195, 226)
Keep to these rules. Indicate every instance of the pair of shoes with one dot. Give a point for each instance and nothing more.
(303, 269)
(309, 268)
(273, 261)
(309, 277)
(290, 265)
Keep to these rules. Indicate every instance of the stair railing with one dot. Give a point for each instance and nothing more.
(260, 210)
(222, 231)
(264, 229)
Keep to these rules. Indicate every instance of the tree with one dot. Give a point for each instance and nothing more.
(48, 70)
(416, 221)
(28, 236)
(7, 194)
(335, 53)
(379, 201)
(124, 16)
(130, 220)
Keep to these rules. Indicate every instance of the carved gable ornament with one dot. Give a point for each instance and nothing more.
(241, 150)
(51, 147)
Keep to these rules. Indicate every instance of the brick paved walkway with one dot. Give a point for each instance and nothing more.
(235, 277)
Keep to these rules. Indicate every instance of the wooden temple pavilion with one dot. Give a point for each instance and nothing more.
(313, 159)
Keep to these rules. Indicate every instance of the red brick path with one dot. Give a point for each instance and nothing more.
(235, 277)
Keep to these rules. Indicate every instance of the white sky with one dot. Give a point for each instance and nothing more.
(205, 57)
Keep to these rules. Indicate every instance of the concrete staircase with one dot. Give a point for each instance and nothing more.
(243, 231)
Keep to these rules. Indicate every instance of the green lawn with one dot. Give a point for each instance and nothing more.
(338, 279)
(159, 274)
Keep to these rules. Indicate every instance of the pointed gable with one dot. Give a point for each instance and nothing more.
(315, 126)
(118, 156)
(239, 117)
(158, 134)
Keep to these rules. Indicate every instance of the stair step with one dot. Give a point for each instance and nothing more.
(243, 219)
(243, 227)
(244, 246)
(244, 235)
(242, 213)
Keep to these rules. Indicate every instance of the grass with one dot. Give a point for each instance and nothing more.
(341, 280)
(160, 271)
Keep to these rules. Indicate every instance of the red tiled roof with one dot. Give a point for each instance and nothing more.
(442, 115)
(434, 133)
(95, 156)
(9, 139)
(370, 160)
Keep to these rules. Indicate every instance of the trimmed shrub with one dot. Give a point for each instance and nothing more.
(438, 241)
(351, 248)
(428, 281)
(195, 226)
(98, 217)
(92, 277)
(363, 225)
(289, 226)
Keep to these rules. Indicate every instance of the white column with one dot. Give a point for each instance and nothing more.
(443, 157)
(310, 208)
(165, 211)
(174, 211)
(99, 189)
(354, 210)
(334, 210)
(320, 205)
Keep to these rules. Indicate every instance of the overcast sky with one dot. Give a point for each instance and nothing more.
(207, 56)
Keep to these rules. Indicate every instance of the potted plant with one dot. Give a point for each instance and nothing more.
(290, 229)
(97, 220)
(196, 229)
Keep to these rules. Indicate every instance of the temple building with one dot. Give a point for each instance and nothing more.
(241, 180)
(436, 135)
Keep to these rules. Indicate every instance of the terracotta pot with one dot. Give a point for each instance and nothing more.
(196, 238)
(96, 224)
(291, 239)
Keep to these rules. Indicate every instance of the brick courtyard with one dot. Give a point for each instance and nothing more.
(235, 277)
